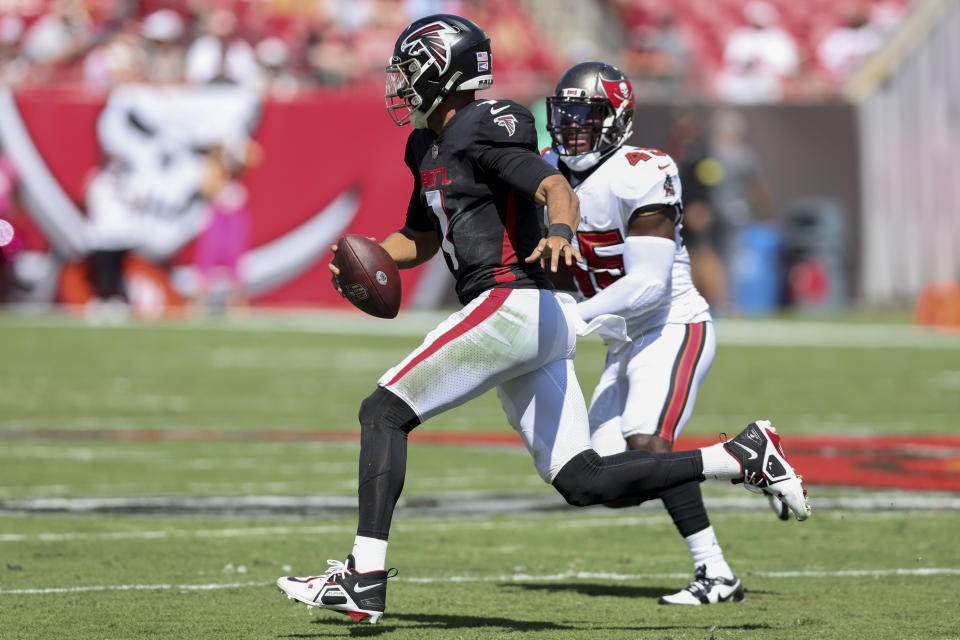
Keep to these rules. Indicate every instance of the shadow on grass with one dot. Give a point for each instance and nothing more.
(410, 621)
(426, 621)
(593, 589)
(328, 626)
(614, 590)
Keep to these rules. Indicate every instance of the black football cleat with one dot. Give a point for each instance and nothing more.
(343, 589)
(760, 454)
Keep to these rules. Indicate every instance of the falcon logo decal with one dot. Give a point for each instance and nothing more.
(619, 92)
(508, 122)
(432, 40)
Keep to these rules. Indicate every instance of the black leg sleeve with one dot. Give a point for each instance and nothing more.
(684, 503)
(589, 479)
(385, 421)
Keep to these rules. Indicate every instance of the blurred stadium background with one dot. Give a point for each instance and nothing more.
(817, 140)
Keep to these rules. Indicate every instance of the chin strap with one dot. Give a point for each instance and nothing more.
(581, 162)
(586, 161)
(419, 118)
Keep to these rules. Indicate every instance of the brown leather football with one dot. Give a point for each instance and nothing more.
(368, 276)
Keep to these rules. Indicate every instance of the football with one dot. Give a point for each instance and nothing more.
(368, 276)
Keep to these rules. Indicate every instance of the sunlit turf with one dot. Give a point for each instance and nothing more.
(570, 574)
(248, 376)
(583, 574)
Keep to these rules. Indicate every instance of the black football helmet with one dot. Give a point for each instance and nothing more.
(432, 58)
(590, 113)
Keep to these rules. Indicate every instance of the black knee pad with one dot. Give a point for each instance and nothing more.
(636, 475)
(383, 409)
(581, 481)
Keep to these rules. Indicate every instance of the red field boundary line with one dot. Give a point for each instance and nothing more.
(923, 463)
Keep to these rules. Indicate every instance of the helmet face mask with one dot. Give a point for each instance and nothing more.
(577, 125)
(400, 96)
(590, 114)
(432, 58)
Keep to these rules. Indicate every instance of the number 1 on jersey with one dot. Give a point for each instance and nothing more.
(435, 200)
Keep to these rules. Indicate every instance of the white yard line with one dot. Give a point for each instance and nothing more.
(517, 577)
(600, 518)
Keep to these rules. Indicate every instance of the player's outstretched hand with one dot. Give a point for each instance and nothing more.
(552, 248)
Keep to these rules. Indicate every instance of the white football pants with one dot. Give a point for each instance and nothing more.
(651, 387)
(520, 341)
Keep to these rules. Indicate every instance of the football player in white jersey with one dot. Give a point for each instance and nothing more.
(636, 266)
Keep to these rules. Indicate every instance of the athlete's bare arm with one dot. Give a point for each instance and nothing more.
(655, 224)
(563, 206)
(410, 248)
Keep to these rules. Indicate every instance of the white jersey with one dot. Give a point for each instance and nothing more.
(630, 179)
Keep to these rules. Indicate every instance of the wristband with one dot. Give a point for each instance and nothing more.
(560, 229)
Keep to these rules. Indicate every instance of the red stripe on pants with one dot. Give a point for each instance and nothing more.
(483, 311)
(683, 379)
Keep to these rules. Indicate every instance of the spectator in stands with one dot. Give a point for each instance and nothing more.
(58, 36)
(376, 44)
(656, 58)
(163, 34)
(279, 81)
(844, 48)
(413, 9)
(13, 67)
(350, 16)
(748, 83)
(331, 59)
(757, 58)
(761, 41)
(226, 234)
(886, 15)
(119, 59)
(220, 55)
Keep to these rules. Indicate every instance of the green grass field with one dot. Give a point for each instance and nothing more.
(134, 572)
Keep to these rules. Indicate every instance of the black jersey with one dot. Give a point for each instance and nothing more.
(474, 184)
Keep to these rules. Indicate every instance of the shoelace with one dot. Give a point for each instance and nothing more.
(337, 568)
(701, 585)
(755, 479)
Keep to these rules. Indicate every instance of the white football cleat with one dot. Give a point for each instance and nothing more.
(760, 454)
(343, 589)
(704, 590)
(780, 509)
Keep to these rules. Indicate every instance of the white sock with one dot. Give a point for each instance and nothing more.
(718, 464)
(369, 554)
(706, 551)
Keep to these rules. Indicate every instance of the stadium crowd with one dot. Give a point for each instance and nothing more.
(734, 50)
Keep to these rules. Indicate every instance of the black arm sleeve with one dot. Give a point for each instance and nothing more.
(510, 152)
(519, 167)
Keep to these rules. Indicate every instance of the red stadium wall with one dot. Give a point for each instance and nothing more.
(316, 148)
(323, 148)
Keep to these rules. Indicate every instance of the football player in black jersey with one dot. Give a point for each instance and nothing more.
(477, 178)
